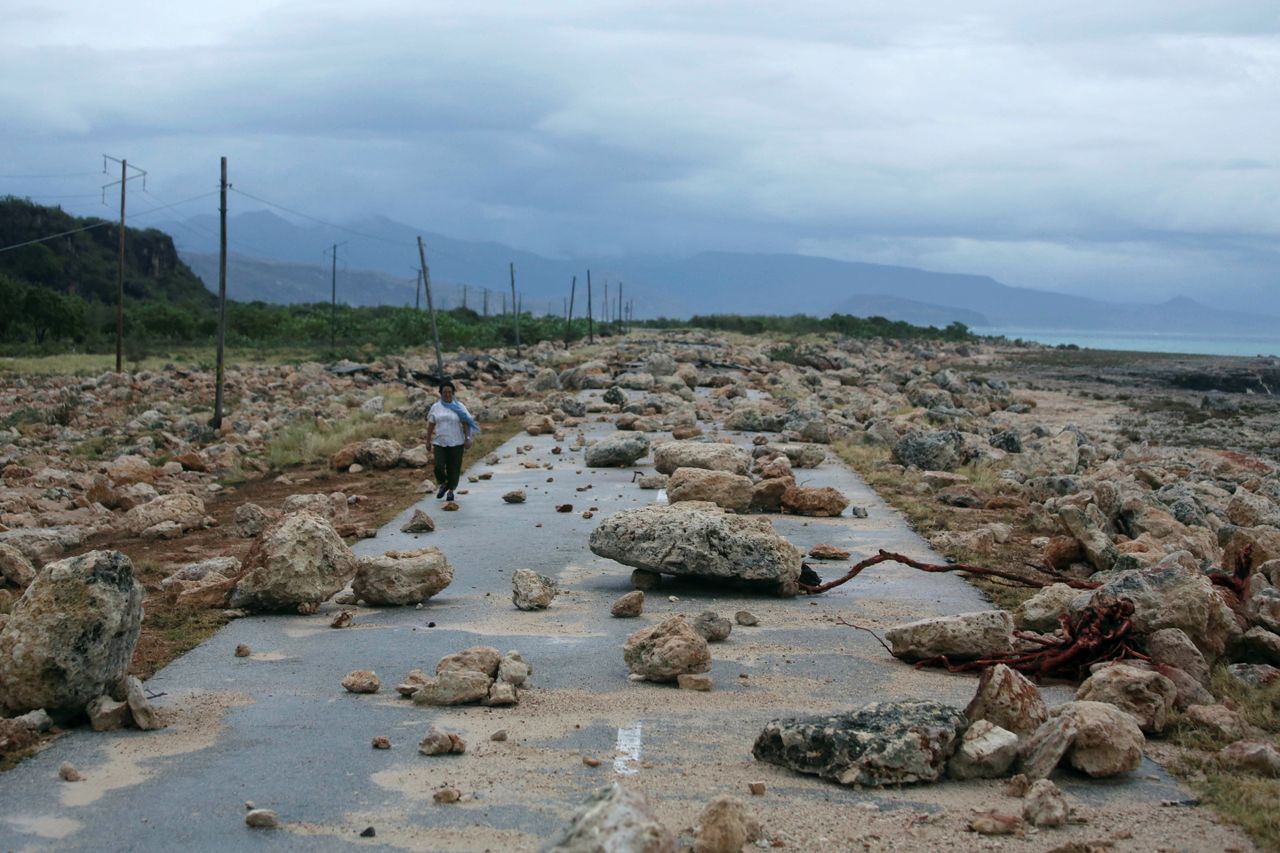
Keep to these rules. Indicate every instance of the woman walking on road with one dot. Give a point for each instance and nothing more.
(450, 430)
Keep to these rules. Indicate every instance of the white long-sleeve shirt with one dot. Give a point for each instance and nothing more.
(449, 432)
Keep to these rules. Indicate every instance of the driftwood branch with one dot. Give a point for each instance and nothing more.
(1039, 580)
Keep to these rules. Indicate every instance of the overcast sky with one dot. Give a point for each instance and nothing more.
(1128, 150)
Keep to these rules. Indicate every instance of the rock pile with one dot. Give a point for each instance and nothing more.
(479, 674)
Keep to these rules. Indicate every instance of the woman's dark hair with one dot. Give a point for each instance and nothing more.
(447, 384)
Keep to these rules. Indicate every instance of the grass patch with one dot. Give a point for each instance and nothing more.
(168, 632)
(95, 364)
(1243, 799)
(304, 443)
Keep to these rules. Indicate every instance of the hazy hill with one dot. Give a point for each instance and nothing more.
(708, 282)
(86, 263)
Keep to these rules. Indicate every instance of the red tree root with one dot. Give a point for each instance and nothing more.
(1039, 579)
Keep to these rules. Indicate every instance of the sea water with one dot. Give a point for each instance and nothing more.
(1248, 345)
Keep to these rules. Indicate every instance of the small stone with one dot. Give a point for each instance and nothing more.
(499, 736)
(262, 819)
(1252, 756)
(645, 580)
(590, 761)
(436, 742)
(757, 789)
(712, 626)
(828, 552)
(725, 826)
(564, 508)
(746, 617)
(694, 681)
(243, 651)
(530, 590)
(628, 606)
(447, 794)
(516, 496)
(420, 523)
(362, 681)
(106, 714)
(144, 716)
(68, 773)
(368, 832)
(381, 742)
(997, 823)
(342, 620)
(1017, 786)
(449, 506)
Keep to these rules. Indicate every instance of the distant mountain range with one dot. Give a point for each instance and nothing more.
(280, 261)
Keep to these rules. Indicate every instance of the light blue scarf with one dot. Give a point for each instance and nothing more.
(461, 412)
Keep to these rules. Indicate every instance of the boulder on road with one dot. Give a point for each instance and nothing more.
(682, 540)
(619, 450)
(531, 591)
(824, 502)
(399, 578)
(963, 636)
(1146, 696)
(294, 565)
(1107, 740)
(615, 819)
(187, 511)
(722, 488)
(670, 455)
(1006, 698)
(884, 743)
(71, 637)
(664, 651)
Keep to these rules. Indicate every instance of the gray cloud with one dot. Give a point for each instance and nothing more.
(1083, 147)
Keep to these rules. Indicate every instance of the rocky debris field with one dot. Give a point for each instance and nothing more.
(1176, 542)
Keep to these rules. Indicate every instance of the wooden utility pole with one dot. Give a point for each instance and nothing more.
(621, 323)
(591, 329)
(417, 291)
(219, 374)
(485, 293)
(124, 182)
(464, 296)
(604, 315)
(431, 308)
(568, 325)
(515, 306)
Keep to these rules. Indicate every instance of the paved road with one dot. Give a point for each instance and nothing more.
(278, 730)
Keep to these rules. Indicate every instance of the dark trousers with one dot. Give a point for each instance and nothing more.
(448, 466)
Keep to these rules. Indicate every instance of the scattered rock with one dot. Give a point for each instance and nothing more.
(381, 742)
(1252, 757)
(454, 687)
(106, 714)
(361, 681)
(449, 506)
(342, 620)
(959, 637)
(144, 716)
(746, 618)
(262, 819)
(713, 627)
(499, 736)
(884, 743)
(68, 773)
(1040, 612)
(420, 523)
(824, 502)
(628, 606)
(1007, 699)
(1045, 805)
(447, 794)
(1218, 719)
(1043, 751)
(615, 819)
(757, 789)
(997, 823)
(516, 496)
(986, 751)
(694, 681)
(243, 651)
(664, 651)
(725, 826)
(1146, 696)
(1107, 741)
(643, 579)
(828, 552)
(530, 590)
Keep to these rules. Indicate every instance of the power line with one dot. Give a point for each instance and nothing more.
(64, 175)
(318, 220)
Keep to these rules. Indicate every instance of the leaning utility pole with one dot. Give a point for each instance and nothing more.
(568, 325)
(515, 306)
(591, 329)
(124, 182)
(219, 374)
(435, 331)
(417, 291)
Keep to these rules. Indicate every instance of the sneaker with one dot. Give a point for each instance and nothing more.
(440, 493)
(449, 496)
